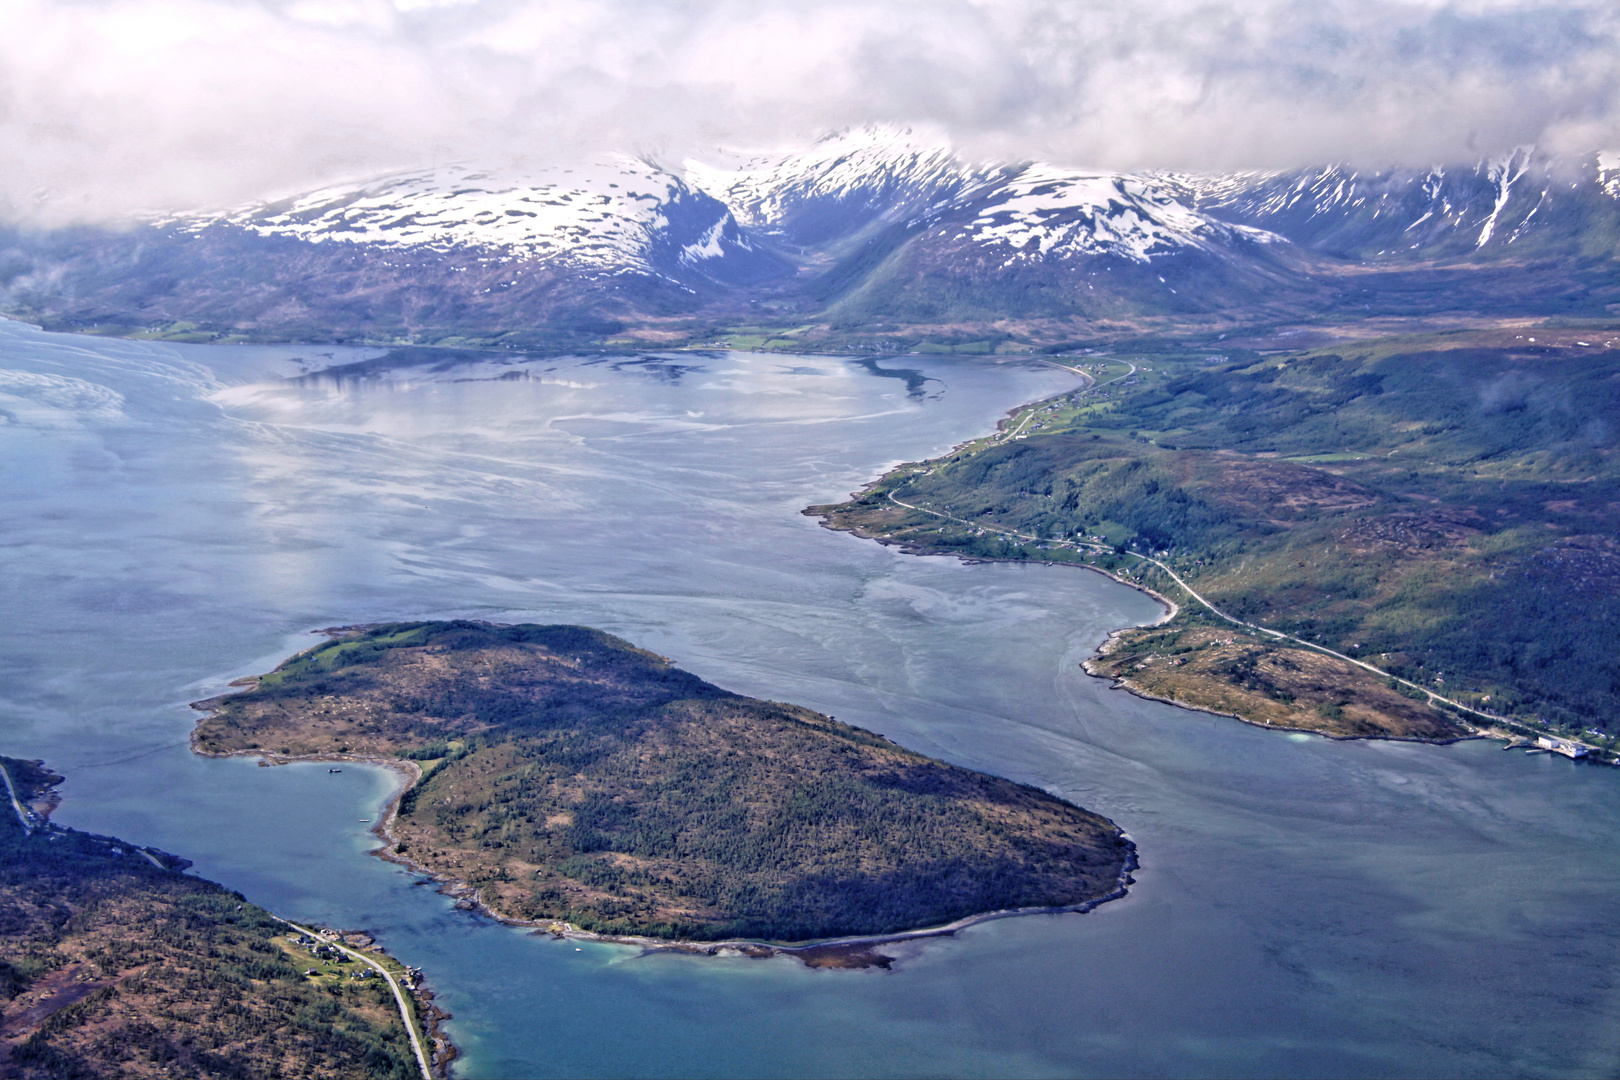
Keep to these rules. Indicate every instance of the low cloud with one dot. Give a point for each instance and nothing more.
(109, 106)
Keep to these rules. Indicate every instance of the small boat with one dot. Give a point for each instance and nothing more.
(334, 770)
(365, 821)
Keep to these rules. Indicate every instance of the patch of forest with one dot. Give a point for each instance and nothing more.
(567, 775)
(1444, 507)
(114, 965)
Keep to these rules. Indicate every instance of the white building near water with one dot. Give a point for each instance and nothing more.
(1562, 746)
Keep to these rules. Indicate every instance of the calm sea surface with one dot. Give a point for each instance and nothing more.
(176, 517)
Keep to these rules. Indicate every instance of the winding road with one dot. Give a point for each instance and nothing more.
(393, 984)
(1434, 698)
(23, 816)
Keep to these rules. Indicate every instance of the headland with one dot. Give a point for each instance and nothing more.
(1352, 542)
(115, 962)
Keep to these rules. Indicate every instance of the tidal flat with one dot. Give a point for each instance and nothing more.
(184, 516)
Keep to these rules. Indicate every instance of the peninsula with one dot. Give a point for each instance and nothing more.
(113, 962)
(564, 776)
(1407, 537)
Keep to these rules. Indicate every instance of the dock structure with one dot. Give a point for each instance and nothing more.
(1572, 750)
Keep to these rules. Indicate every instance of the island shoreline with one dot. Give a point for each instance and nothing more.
(851, 952)
(444, 1049)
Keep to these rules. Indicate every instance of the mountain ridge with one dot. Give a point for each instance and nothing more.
(873, 233)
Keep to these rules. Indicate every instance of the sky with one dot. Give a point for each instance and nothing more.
(113, 106)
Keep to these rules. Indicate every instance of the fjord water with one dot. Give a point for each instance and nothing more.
(176, 517)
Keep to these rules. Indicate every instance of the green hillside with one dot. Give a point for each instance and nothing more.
(1444, 506)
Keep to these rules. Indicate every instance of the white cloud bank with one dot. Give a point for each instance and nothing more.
(113, 105)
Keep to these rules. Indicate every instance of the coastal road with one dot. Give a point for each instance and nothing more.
(27, 819)
(1077, 545)
(1092, 384)
(23, 816)
(393, 984)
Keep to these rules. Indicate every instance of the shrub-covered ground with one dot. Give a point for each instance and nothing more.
(111, 965)
(570, 776)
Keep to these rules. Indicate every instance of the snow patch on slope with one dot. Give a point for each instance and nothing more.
(1053, 213)
(607, 214)
(1608, 168)
(878, 166)
(1504, 174)
(707, 246)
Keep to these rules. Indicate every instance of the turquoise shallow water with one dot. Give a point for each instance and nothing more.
(177, 517)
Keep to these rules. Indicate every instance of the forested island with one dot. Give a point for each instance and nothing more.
(115, 963)
(563, 776)
(1442, 508)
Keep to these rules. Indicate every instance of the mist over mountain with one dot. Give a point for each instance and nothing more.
(114, 106)
(874, 234)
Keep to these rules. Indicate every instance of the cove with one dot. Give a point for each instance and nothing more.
(181, 516)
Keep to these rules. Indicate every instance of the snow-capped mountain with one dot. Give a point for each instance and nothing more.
(440, 255)
(842, 185)
(614, 215)
(1045, 213)
(1521, 201)
(908, 222)
(866, 227)
(848, 181)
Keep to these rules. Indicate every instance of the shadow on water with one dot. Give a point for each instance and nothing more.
(915, 380)
(430, 361)
(661, 368)
(425, 362)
